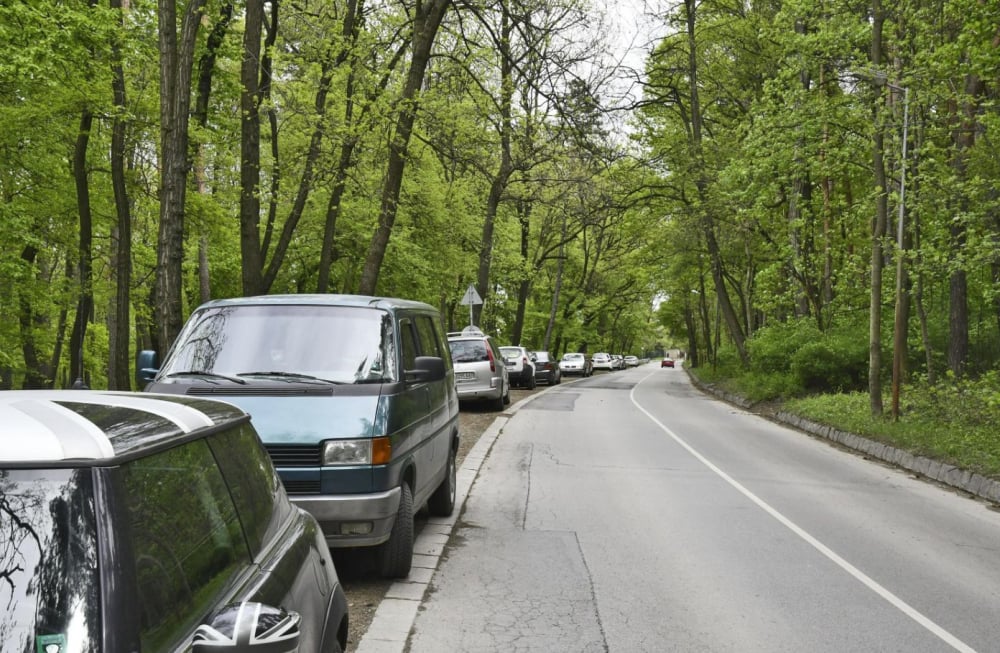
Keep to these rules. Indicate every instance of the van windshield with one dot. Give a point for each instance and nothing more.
(292, 343)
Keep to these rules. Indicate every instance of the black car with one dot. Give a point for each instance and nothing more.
(547, 368)
(130, 520)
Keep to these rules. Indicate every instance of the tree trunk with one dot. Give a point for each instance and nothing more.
(250, 248)
(84, 276)
(554, 307)
(427, 19)
(878, 229)
(37, 374)
(119, 331)
(524, 286)
(958, 310)
(176, 65)
(708, 225)
(206, 72)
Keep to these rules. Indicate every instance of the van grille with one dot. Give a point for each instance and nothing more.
(301, 487)
(294, 455)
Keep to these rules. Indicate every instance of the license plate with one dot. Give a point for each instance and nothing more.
(465, 376)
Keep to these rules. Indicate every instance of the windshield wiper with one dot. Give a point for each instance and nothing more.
(291, 376)
(211, 375)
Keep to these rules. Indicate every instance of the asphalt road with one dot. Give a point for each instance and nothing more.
(629, 512)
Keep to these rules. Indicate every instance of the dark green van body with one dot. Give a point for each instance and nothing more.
(323, 377)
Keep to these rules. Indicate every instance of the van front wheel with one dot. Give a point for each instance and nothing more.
(395, 555)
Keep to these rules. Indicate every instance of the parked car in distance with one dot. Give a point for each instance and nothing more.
(617, 361)
(573, 363)
(520, 366)
(631, 361)
(547, 368)
(667, 362)
(480, 371)
(132, 518)
(353, 396)
(602, 361)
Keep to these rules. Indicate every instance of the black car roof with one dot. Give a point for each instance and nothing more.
(89, 428)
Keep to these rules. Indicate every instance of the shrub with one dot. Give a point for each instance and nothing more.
(834, 363)
(772, 347)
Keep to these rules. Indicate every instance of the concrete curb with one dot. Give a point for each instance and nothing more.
(975, 484)
(395, 615)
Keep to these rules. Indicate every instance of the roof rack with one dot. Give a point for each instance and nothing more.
(467, 331)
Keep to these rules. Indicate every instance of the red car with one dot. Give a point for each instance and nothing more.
(667, 362)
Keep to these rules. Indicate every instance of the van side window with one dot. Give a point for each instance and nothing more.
(430, 343)
(186, 539)
(409, 344)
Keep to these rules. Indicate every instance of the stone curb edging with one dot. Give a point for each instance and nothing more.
(960, 479)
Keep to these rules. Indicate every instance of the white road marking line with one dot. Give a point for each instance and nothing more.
(869, 582)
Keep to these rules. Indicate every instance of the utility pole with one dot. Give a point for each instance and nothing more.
(900, 324)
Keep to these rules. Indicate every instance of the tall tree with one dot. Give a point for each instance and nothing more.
(250, 246)
(427, 17)
(879, 224)
(177, 48)
(119, 332)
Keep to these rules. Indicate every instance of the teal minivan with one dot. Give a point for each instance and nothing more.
(353, 397)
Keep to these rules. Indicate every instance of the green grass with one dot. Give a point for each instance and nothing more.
(955, 423)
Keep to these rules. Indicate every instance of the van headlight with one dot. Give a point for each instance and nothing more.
(365, 451)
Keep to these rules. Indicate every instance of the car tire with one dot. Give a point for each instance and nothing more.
(532, 383)
(395, 555)
(506, 398)
(442, 502)
(500, 401)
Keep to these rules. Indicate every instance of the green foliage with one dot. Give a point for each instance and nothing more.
(951, 422)
(773, 347)
(834, 363)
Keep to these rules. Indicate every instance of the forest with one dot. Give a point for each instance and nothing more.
(801, 191)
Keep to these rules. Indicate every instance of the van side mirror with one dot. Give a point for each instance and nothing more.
(248, 628)
(146, 367)
(426, 368)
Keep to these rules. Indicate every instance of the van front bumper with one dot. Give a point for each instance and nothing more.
(353, 519)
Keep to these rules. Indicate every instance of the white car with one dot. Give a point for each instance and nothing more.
(575, 363)
(520, 365)
(631, 361)
(602, 361)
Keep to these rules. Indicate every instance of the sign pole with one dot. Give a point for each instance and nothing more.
(471, 297)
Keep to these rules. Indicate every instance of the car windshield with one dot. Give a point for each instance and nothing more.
(48, 561)
(572, 357)
(510, 352)
(294, 343)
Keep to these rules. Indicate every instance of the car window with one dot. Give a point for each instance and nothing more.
(255, 486)
(186, 539)
(409, 344)
(430, 342)
(48, 560)
(468, 351)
